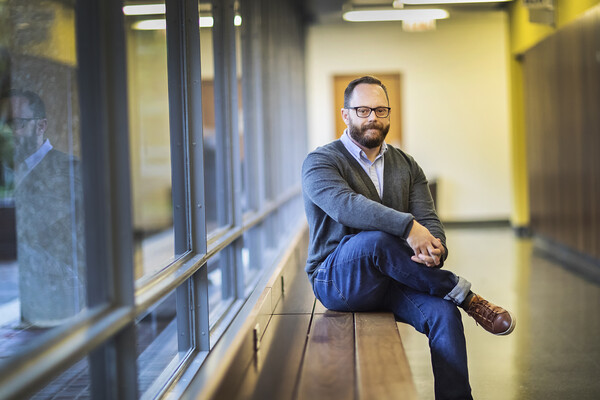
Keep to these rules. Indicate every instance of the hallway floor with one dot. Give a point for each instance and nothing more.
(554, 352)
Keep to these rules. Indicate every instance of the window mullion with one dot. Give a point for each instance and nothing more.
(189, 211)
(105, 155)
(226, 123)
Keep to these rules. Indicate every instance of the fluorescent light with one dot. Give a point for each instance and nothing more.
(394, 15)
(158, 24)
(421, 2)
(150, 25)
(206, 22)
(144, 9)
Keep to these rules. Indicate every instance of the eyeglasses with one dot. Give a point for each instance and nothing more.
(18, 123)
(364, 112)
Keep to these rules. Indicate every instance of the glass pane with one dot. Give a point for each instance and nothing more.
(74, 383)
(252, 256)
(272, 237)
(215, 285)
(220, 283)
(149, 139)
(239, 72)
(208, 117)
(42, 249)
(163, 340)
(216, 145)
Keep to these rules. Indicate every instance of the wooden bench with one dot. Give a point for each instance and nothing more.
(300, 350)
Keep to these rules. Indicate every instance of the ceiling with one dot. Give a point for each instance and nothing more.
(330, 11)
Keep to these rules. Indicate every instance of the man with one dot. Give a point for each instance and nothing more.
(49, 220)
(376, 241)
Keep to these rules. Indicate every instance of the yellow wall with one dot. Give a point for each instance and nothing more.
(524, 35)
(48, 32)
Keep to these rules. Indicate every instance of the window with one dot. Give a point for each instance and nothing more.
(155, 145)
(42, 246)
(216, 213)
(163, 341)
(149, 141)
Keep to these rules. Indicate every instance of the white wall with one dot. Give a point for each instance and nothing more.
(455, 100)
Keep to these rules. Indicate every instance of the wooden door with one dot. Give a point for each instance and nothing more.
(392, 83)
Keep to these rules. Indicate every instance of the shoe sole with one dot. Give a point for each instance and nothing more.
(513, 323)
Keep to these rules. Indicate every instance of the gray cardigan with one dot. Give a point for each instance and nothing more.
(340, 199)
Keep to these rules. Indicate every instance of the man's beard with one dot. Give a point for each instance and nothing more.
(370, 142)
(24, 147)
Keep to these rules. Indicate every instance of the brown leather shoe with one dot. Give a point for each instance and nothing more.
(492, 318)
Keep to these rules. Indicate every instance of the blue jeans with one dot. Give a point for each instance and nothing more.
(373, 271)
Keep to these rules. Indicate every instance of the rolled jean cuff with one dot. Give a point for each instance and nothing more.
(458, 294)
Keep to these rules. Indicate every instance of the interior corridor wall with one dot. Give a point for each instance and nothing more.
(455, 96)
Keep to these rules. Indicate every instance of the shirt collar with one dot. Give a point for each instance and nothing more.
(356, 151)
(40, 153)
(33, 160)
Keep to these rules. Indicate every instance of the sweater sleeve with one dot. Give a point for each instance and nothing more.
(325, 186)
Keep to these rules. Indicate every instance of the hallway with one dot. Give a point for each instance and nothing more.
(554, 352)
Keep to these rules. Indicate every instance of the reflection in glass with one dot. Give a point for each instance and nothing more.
(149, 145)
(74, 383)
(159, 352)
(42, 249)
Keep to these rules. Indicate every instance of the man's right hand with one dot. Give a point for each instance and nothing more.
(427, 248)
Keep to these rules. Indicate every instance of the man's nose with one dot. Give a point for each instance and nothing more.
(372, 116)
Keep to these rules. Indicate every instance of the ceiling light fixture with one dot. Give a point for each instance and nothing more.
(394, 15)
(150, 25)
(422, 2)
(158, 24)
(144, 9)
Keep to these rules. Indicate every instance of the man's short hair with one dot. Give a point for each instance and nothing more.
(371, 80)
(35, 102)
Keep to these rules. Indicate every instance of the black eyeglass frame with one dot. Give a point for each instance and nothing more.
(19, 123)
(388, 109)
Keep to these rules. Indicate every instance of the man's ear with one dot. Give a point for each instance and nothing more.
(41, 126)
(345, 116)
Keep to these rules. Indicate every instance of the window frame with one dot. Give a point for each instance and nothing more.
(105, 332)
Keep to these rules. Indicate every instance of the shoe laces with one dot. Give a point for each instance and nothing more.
(482, 308)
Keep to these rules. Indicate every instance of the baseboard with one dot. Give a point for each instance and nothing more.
(491, 223)
(584, 265)
(523, 231)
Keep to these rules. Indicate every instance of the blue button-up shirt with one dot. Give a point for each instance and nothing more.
(373, 169)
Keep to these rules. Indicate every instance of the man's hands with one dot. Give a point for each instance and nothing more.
(428, 249)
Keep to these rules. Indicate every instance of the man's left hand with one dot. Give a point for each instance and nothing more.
(428, 249)
(433, 259)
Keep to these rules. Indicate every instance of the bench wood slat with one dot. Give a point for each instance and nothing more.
(274, 372)
(319, 307)
(297, 298)
(328, 370)
(382, 368)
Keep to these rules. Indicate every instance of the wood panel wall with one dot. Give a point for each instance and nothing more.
(562, 98)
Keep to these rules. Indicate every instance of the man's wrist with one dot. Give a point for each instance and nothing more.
(408, 228)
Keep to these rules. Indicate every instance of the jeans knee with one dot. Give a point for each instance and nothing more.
(378, 241)
(447, 317)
